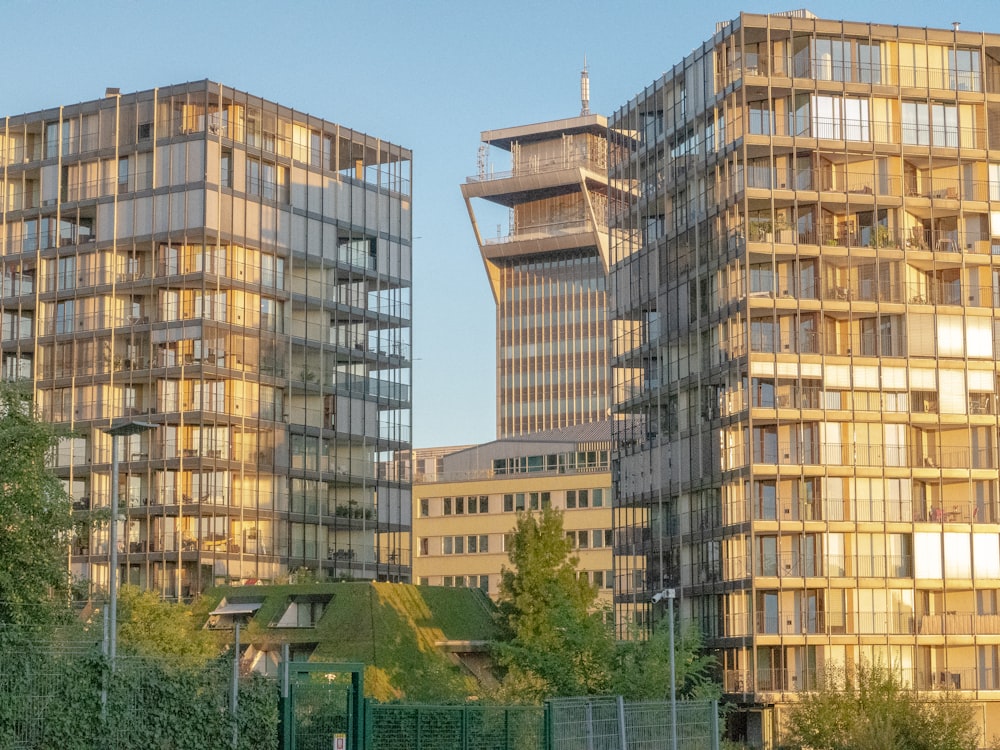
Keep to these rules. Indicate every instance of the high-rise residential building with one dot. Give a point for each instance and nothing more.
(547, 267)
(234, 276)
(805, 335)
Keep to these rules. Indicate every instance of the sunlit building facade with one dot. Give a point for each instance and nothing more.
(547, 268)
(465, 509)
(236, 275)
(806, 285)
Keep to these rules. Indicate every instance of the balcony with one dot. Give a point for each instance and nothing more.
(546, 231)
(534, 165)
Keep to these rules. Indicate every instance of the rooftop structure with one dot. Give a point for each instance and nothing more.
(548, 271)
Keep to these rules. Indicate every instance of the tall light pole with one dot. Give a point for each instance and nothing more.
(670, 595)
(116, 431)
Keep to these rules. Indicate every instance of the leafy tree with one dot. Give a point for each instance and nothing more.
(642, 667)
(871, 709)
(149, 626)
(556, 644)
(34, 516)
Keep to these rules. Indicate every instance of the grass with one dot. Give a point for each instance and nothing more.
(394, 629)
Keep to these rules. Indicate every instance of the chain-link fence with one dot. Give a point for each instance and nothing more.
(66, 695)
(610, 723)
(467, 727)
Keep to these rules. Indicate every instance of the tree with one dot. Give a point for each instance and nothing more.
(34, 513)
(871, 709)
(642, 667)
(556, 644)
(152, 627)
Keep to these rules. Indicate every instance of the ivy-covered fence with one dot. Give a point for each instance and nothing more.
(55, 694)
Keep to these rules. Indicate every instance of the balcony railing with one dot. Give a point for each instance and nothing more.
(795, 565)
(531, 165)
(746, 682)
(825, 69)
(542, 231)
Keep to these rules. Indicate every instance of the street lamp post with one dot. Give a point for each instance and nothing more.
(116, 431)
(670, 595)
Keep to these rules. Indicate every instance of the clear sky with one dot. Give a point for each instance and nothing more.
(426, 74)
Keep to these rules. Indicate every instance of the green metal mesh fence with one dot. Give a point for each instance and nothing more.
(606, 723)
(54, 695)
(391, 727)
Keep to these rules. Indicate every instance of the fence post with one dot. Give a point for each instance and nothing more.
(234, 698)
(285, 715)
(623, 738)
(715, 725)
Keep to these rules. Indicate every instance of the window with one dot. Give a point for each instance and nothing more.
(944, 122)
(964, 67)
(226, 168)
(425, 507)
(870, 62)
(303, 612)
(267, 180)
(537, 500)
(916, 123)
(123, 173)
(601, 538)
(832, 59)
(513, 503)
(447, 506)
(272, 315)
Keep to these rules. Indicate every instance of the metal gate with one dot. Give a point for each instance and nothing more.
(321, 706)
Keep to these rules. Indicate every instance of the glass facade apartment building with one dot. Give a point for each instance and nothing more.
(806, 286)
(548, 272)
(237, 275)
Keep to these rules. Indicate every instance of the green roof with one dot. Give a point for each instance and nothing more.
(397, 630)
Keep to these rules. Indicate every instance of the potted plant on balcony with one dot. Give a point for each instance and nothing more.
(881, 236)
(766, 230)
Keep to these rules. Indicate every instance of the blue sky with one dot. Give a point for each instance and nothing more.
(428, 75)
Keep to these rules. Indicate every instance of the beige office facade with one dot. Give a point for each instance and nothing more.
(465, 510)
